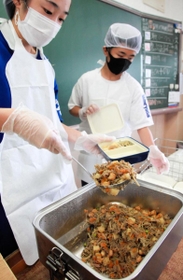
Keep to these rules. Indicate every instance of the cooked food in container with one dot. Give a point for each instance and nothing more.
(124, 148)
(120, 236)
(117, 144)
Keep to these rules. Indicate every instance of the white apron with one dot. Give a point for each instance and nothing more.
(31, 178)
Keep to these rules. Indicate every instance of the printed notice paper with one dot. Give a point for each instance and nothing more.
(174, 97)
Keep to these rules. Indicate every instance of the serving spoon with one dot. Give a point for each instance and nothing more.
(119, 186)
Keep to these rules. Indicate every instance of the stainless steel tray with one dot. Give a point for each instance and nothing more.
(61, 230)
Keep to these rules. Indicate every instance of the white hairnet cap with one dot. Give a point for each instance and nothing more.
(124, 36)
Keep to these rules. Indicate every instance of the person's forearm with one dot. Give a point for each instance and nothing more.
(75, 111)
(4, 114)
(73, 134)
(146, 136)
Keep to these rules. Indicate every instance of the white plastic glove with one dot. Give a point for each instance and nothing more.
(37, 129)
(158, 160)
(88, 142)
(83, 112)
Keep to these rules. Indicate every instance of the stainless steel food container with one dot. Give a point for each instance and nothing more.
(61, 230)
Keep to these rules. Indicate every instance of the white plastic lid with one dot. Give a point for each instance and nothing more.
(106, 120)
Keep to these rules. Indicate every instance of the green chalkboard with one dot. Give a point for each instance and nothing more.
(160, 64)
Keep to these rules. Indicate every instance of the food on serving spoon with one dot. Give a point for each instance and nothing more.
(112, 173)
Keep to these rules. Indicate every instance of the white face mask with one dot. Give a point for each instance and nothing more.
(37, 29)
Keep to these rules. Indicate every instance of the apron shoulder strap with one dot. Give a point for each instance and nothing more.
(2, 20)
(6, 28)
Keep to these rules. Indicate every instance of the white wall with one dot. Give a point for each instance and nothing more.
(173, 8)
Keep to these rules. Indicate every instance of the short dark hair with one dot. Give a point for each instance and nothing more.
(10, 7)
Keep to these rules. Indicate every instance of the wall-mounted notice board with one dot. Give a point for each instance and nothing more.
(160, 61)
(78, 47)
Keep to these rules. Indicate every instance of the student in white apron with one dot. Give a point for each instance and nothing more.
(32, 178)
(112, 84)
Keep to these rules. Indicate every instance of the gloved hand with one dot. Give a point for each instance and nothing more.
(88, 142)
(83, 112)
(158, 160)
(37, 129)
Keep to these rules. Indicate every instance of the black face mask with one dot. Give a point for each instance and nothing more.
(117, 65)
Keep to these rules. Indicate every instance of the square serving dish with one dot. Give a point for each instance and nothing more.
(124, 148)
(61, 230)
